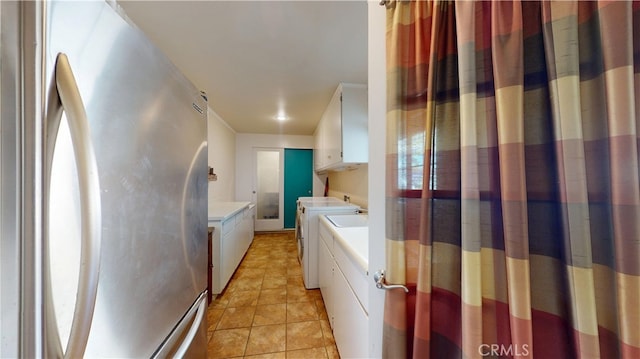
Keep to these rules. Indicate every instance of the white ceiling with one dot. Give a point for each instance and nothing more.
(255, 59)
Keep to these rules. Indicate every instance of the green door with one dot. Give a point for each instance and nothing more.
(298, 182)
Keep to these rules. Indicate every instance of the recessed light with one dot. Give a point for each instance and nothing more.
(281, 117)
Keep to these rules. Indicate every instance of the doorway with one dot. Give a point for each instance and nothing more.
(268, 188)
(280, 177)
(298, 181)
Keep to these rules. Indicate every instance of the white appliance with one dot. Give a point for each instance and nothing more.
(307, 228)
(103, 180)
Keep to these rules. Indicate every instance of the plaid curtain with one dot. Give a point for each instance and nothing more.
(513, 199)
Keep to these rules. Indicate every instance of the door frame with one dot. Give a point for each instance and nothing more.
(265, 225)
(377, 88)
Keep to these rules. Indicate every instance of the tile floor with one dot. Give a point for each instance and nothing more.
(265, 311)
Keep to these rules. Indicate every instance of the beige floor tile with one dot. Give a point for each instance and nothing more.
(246, 284)
(275, 282)
(256, 263)
(236, 318)
(293, 262)
(297, 293)
(266, 300)
(313, 353)
(250, 273)
(315, 293)
(267, 339)
(332, 352)
(280, 355)
(304, 335)
(226, 293)
(301, 312)
(213, 317)
(219, 303)
(322, 310)
(294, 270)
(327, 333)
(279, 265)
(295, 280)
(323, 315)
(272, 296)
(277, 262)
(228, 343)
(258, 256)
(279, 251)
(270, 314)
(244, 298)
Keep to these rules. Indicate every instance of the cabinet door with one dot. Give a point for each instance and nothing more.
(325, 278)
(351, 322)
(227, 257)
(240, 238)
(355, 134)
(243, 233)
(252, 221)
(333, 122)
(318, 147)
(246, 229)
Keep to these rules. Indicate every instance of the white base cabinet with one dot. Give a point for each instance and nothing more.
(326, 269)
(351, 322)
(232, 237)
(339, 281)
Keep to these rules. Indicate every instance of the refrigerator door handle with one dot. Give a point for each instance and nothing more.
(67, 98)
(202, 310)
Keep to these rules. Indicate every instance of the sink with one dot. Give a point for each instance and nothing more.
(349, 220)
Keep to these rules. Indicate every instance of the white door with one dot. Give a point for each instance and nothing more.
(377, 155)
(268, 188)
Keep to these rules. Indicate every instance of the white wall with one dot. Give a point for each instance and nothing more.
(246, 142)
(222, 157)
(353, 183)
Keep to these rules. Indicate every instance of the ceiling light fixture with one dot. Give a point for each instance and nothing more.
(281, 117)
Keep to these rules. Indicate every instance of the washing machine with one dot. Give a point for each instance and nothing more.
(307, 228)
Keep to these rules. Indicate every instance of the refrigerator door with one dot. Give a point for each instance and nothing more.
(147, 124)
(12, 187)
(20, 179)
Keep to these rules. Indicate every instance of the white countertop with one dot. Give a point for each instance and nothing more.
(219, 211)
(354, 240)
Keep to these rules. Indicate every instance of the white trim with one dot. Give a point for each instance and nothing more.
(377, 134)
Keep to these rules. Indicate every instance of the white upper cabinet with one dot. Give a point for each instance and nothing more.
(342, 138)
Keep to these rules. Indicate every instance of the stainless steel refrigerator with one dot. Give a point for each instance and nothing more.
(103, 189)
